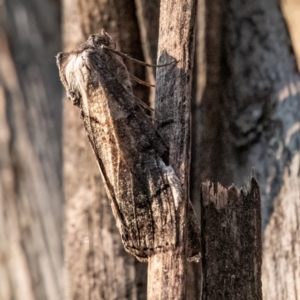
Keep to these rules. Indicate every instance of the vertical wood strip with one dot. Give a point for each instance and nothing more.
(232, 247)
(167, 271)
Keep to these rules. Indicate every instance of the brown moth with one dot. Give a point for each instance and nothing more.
(133, 159)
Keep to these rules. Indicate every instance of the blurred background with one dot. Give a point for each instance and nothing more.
(57, 235)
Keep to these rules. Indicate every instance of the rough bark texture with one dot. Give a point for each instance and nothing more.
(126, 278)
(31, 252)
(173, 98)
(250, 121)
(232, 249)
(270, 137)
(281, 266)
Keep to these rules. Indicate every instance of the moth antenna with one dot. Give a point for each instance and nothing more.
(126, 56)
(104, 33)
(140, 81)
(144, 105)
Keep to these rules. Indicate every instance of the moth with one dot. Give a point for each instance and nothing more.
(143, 188)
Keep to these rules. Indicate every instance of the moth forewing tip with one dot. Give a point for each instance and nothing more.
(61, 57)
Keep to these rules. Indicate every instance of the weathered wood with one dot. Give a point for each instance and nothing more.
(281, 248)
(249, 120)
(31, 200)
(91, 234)
(232, 247)
(173, 96)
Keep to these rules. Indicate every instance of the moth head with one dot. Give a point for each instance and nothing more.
(78, 68)
(101, 39)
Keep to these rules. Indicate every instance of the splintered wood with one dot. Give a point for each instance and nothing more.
(232, 246)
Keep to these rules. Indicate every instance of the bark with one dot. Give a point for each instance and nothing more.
(31, 263)
(113, 274)
(250, 121)
(173, 98)
(275, 123)
(232, 249)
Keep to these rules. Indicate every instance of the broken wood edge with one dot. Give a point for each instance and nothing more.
(231, 240)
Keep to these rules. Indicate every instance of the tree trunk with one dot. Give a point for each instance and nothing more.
(97, 265)
(31, 248)
(173, 105)
(250, 123)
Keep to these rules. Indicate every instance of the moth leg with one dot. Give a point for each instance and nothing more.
(160, 123)
(75, 98)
